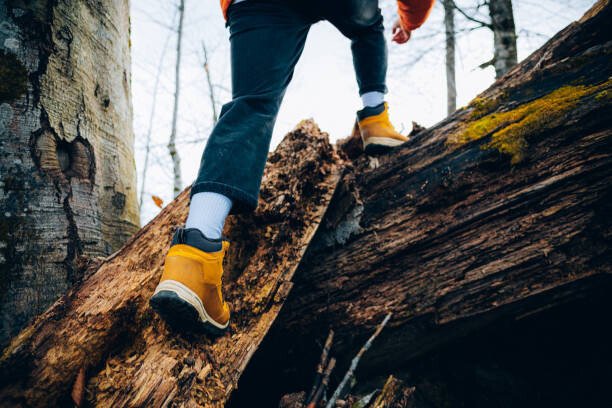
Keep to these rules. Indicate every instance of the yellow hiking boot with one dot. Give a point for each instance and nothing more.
(188, 295)
(377, 132)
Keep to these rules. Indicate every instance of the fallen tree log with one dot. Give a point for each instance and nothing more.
(500, 211)
(105, 330)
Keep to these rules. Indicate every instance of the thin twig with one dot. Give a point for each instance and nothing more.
(470, 18)
(351, 371)
(321, 366)
(323, 386)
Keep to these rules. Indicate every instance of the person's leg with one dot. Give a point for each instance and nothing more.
(233, 161)
(267, 39)
(361, 21)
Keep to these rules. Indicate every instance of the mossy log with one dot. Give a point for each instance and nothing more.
(105, 329)
(500, 211)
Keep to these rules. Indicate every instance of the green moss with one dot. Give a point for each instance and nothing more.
(482, 106)
(14, 78)
(605, 94)
(509, 129)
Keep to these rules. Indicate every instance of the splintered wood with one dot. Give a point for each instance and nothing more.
(106, 329)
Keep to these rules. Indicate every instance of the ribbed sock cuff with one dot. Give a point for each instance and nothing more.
(207, 212)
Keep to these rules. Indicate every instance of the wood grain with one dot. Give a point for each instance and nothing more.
(131, 357)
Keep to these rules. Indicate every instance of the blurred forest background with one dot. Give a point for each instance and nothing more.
(323, 86)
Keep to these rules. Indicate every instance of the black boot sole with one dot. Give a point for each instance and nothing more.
(180, 315)
(376, 149)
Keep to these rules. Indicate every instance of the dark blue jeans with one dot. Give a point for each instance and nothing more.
(267, 38)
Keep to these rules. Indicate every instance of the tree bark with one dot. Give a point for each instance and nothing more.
(504, 36)
(67, 170)
(499, 211)
(106, 329)
(449, 29)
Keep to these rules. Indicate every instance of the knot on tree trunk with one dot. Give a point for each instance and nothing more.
(62, 159)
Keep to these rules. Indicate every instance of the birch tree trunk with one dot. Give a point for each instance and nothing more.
(67, 170)
(449, 28)
(176, 160)
(504, 36)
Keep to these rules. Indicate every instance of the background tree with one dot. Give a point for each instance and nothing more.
(67, 170)
(211, 86)
(449, 32)
(174, 155)
(504, 36)
(501, 24)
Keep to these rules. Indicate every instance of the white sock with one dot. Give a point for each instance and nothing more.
(207, 212)
(371, 99)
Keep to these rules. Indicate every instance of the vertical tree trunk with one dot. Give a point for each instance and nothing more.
(67, 170)
(449, 26)
(211, 87)
(504, 36)
(176, 160)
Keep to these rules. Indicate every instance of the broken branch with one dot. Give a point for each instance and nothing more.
(351, 371)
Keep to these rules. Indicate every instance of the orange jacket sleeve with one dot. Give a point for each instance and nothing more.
(413, 13)
(224, 6)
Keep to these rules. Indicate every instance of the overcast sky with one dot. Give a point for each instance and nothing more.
(323, 86)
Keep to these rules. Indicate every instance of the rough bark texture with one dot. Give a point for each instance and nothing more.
(499, 211)
(504, 36)
(130, 357)
(67, 171)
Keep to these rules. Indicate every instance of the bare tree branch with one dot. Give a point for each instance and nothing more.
(320, 367)
(351, 371)
(470, 18)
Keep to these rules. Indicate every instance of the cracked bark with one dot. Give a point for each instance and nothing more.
(67, 171)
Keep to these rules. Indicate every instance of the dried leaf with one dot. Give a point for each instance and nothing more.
(158, 201)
